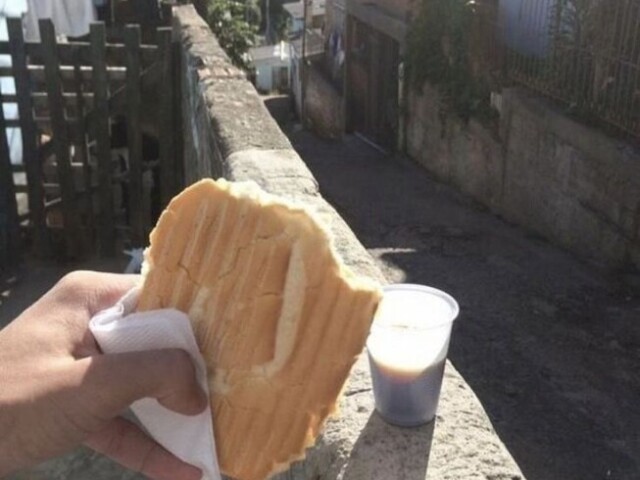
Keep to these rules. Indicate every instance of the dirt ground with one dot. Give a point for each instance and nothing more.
(549, 343)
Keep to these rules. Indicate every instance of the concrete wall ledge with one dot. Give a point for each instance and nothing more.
(278, 170)
(228, 133)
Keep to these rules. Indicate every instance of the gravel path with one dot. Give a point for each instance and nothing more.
(550, 344)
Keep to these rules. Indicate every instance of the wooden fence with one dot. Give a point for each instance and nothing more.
(71, 98)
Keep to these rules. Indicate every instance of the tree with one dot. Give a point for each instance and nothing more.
(234, 22)
(274, 19)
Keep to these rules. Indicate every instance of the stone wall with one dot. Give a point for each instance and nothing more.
(324, 110)
(538, 168)
(228, 132)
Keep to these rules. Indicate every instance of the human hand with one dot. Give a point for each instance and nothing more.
(57, 390)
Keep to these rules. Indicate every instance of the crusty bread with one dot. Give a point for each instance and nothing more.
(278, 318)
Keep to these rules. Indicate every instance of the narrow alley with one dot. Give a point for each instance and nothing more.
(549, 343)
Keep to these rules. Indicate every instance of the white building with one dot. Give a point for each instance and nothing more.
(272, 64)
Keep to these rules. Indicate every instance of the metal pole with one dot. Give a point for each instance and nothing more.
(345, 73)
(268, 13)
(303, 64)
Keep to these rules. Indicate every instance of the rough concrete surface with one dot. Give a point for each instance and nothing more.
(549, 344)
(211, 82)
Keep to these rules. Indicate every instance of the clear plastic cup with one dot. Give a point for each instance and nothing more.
(407, 347)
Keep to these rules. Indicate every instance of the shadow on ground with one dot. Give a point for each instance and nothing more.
(549, 344)
(33, 278)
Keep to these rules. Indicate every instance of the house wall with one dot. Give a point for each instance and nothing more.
(295, 25)
(264, 77)
(392, 23)
(335, 40)
(397, 8)
(324, 108)
(540, 169)
(317, 21)
(265, 71)
(334, 18)
(296, 83)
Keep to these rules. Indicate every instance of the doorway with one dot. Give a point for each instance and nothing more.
(372, 83)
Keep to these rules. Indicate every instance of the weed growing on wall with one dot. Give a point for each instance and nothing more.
(438, 53)
(234, 23)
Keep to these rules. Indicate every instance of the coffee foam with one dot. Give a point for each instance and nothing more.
(411, 331)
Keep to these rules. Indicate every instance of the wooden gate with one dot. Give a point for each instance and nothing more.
(373, 105)
(86, 112)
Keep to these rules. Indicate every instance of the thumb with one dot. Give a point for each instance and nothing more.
(114, 381)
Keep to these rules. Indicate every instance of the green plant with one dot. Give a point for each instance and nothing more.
(281, 27)
(438, 53)
(234, 23)
(275, 17)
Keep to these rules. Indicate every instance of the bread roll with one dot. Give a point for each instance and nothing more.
(279, 319)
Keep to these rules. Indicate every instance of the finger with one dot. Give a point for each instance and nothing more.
(94, 291)
(128, 445)
(110, 288)
(114, 381)
(75, 299)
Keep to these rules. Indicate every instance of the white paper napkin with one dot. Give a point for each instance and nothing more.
(117, 330)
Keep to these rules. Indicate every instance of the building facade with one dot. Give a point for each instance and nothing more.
(272, 64)
(375, 40)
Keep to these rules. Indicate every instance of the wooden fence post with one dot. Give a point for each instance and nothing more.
(31, 157)
(101, 115)
(167, 129)
(9, 226)
(134, 134)
(61, 143)
(166, 12)
(81, 150)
